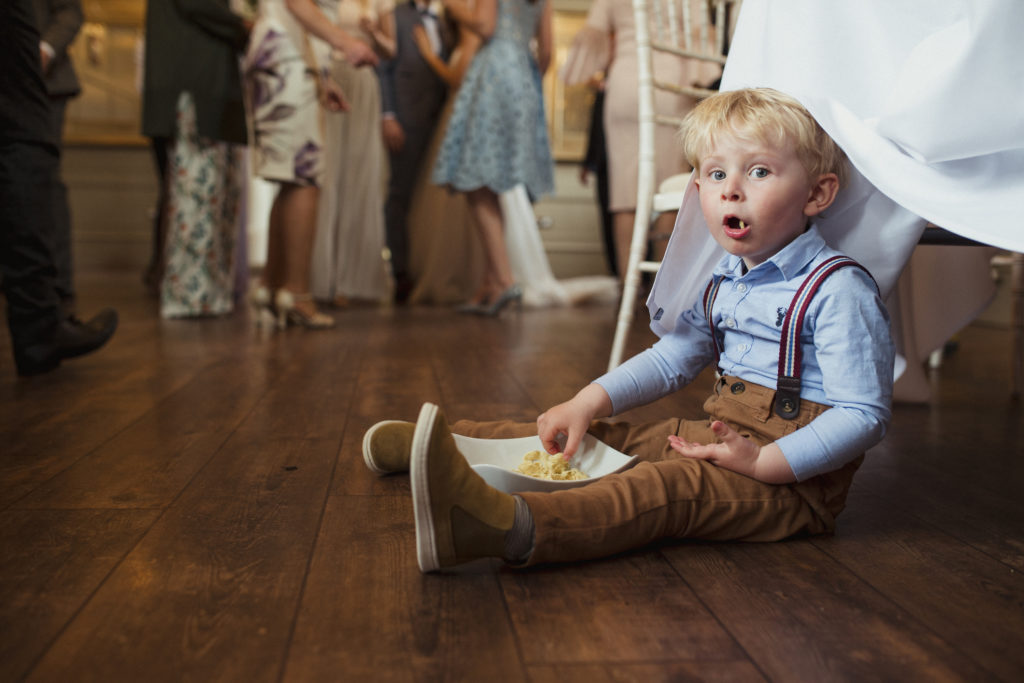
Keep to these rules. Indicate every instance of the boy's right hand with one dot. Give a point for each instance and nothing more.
(572, 419)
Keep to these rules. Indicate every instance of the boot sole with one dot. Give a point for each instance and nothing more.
(368, 450)
(419, 479)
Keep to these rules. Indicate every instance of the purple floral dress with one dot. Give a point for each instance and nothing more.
(281, 80)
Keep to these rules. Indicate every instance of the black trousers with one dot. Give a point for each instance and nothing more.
(27, 187)
(405, 168)
(62, 249)
(29, 161)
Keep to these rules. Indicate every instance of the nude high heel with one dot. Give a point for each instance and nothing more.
(288, 313)
(262, 308)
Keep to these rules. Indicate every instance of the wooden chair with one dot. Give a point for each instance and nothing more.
(688, 29)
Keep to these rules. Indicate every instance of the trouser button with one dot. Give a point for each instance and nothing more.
(738, 388)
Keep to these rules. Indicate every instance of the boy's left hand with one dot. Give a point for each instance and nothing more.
(738, 454)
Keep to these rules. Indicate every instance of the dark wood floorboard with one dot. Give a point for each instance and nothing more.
(190, 503)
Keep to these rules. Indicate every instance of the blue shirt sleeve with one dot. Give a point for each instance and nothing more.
(847, 364)
(848, 334)
(672, 363)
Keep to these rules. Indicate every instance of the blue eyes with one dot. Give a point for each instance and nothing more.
(759, 173)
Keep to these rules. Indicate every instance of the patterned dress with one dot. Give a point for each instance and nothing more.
(282, 67)
(204, 180)
(497, 136)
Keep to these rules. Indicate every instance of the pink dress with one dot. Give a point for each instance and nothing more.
(609, 42)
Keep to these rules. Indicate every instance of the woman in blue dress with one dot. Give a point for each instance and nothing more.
(497, 135)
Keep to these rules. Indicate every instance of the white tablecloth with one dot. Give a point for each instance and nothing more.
(926, 97)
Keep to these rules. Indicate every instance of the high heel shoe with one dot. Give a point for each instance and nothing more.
(262, 308)
(511, 295)
(287, 312)
(470, 307)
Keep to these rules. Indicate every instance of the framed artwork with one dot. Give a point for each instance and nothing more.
(568, 107)
(107, 55)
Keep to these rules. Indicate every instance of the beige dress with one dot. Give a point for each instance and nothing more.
(593, 51)
(348, 255)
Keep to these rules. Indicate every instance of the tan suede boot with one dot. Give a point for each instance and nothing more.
(386, 446)
(458, 516)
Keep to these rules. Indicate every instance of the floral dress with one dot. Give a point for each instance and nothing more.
(204, 190)
(282, 70)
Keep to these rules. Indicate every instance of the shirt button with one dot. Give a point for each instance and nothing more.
(741, 287)
(729, 322)
(741, 348)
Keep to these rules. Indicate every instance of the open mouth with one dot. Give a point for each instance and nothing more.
(735, 227)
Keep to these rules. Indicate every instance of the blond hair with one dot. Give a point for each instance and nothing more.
(769, 117)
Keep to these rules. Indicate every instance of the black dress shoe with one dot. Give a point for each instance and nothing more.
(73, 338)
(77, 338)
(403, 290)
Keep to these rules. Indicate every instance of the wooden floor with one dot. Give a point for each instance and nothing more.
(190, 504)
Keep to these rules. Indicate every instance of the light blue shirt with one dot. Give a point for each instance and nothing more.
(847, 351)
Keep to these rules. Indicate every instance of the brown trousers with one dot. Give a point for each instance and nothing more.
(667, 495)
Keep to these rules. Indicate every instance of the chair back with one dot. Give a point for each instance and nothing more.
(698, 32)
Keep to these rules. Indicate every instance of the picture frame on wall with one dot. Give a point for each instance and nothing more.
(568, 107)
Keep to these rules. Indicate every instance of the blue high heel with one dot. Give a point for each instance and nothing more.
(470, 307)
(511, 295)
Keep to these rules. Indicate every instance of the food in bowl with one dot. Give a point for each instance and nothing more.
(553, 467)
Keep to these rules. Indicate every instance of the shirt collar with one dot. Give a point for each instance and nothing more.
(790, 261)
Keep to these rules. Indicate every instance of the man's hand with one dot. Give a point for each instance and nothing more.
(733, 452)
(584, 175)
(333, 98)
(358, 53)
(394, 136)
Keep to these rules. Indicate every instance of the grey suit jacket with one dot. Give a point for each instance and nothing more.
(58, 22)
(409, 87)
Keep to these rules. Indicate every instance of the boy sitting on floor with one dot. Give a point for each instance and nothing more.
(805, 369)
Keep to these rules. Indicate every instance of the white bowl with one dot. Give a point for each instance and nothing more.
(495, 460)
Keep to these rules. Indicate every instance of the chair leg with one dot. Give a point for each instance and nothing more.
(631, 281)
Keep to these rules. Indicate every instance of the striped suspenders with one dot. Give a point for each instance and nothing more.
(787, 394)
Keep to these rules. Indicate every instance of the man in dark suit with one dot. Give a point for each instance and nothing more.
(58, 22)
(412, 97)
(42, 333)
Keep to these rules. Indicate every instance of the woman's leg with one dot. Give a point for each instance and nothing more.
(273, 269)
(487, 212)
(295, 225)
(623, 226)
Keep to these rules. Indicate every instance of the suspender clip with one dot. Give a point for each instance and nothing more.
(787, 397)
